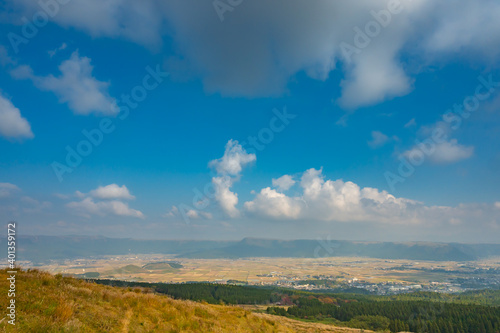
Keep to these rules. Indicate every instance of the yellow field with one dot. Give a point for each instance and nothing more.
(264, 270)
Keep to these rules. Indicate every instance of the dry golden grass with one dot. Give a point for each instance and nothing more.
(299, 326)
(53, 303)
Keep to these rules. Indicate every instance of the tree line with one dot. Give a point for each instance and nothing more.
(396, 316)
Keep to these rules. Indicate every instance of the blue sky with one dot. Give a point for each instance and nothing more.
(336, 134)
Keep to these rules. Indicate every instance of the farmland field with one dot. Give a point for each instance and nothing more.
(271, 271)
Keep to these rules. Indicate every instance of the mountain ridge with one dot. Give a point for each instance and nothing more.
(40, 249)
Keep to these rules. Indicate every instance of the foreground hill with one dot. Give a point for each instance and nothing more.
(48, 303)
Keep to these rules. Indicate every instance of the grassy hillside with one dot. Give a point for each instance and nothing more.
(48, 303)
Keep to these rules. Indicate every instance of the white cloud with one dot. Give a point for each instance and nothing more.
(223, 195)
(228, 168)
(437, 146)
(192, 214)
(88, 207)
(330, 201)
(112, 191)
(136, 21)
(12, 124)
(79, 194)
(373, 78)
(339, 201)
(444, 152)
(233, 161)
(271, 203)
(261, 46)
(76, 86)
(109, 203)
(7, 189)
(465, 28)
(451, 151)
(378, 139)
(304, 37)
(283, 183)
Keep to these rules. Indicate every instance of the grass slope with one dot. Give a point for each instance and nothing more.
(53, 303)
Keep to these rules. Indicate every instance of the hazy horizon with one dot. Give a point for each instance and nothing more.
(256, 237)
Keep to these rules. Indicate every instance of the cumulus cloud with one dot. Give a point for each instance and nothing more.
(340, 201)
(223, 195)
(76, 86)
(12, 124)
(233, 161)
(306, 37)
(283, 183)
(228, 169)
(451, 151)
(437, 147)
(378, 139)
(88, 207)
(261, 45)
(107, 203)
(271, 203)
(7, 189)
(330, 201)
(373, 78)
(139, 22)
(463, 29)
(112, 191)
(192, 214)
(444, 152)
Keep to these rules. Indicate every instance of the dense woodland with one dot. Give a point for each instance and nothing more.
(414, 316)
(471, 312)
(208, 292)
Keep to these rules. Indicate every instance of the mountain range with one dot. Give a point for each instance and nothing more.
(40, 249)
